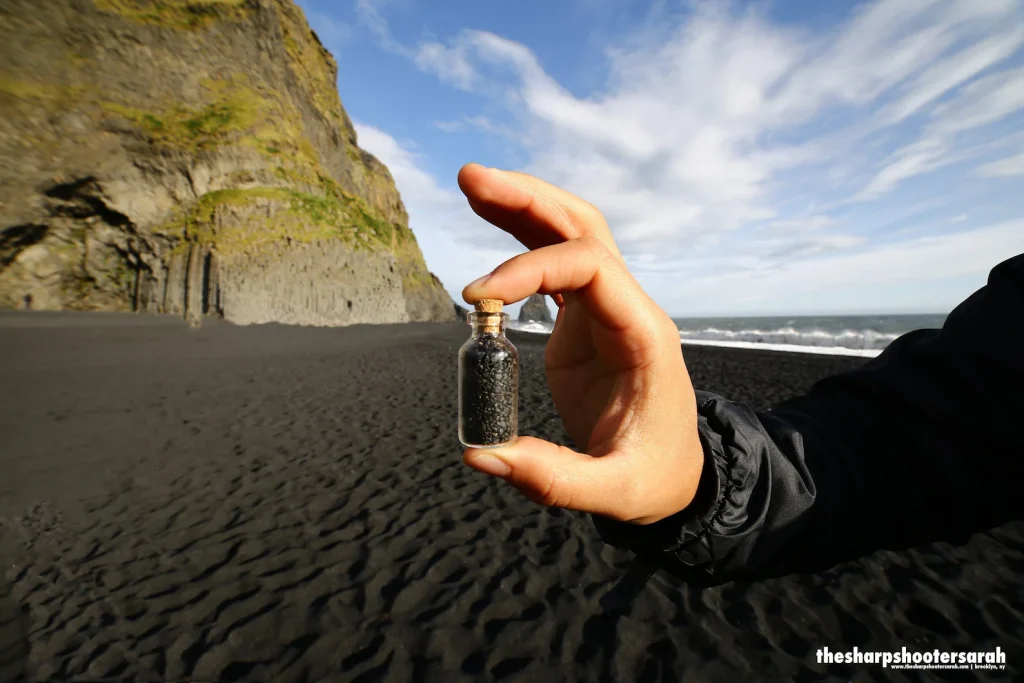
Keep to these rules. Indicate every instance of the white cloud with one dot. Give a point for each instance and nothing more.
(812, 246)
(417, 186)
(921, 261)
(799, 225)
(369, 13)
(482, 123)
(956, 69)
(458, 246)
(450, 65)
(676, 147)
(433, 209)
(980, 103)
(450, 126)
(1010, 166)
(926, 154)
(723, 144)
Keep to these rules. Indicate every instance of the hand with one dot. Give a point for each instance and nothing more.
(614, 362)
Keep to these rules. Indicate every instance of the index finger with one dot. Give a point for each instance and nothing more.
(601, 284)
(536, 213)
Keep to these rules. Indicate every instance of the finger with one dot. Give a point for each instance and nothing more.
(598, 281)
(536, 213)
(558, 476)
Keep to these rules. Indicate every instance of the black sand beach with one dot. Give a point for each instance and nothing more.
(288, 504)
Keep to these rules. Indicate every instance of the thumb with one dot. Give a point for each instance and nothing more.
(558, 476)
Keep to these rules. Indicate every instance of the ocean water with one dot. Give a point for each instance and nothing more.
(847, 335)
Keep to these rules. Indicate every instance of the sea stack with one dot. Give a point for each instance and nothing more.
(535, 309)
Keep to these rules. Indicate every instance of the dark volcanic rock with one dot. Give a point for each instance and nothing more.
(193, 158)
(535, 309)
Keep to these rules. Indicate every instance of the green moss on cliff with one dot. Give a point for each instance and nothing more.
(411, 264)
(281, 139)
(205, 209)
(244, 219)
(47, 96)
(123, 277)
(381, 230)
(233, 107)
(235, 113)
(177, 14)
(26, 90)
(311, 63)
(416, 278)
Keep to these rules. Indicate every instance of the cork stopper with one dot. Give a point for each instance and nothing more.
(489, 305)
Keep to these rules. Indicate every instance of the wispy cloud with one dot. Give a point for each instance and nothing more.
(921, 156)
(370, 15)
(953, 71)
(451, 241)
(450, 126)
(481, 123)
(978, 104)
(982, 102)
(728, 143)
(1010, 166)
(450, 65)
(921, 260)
(677, 146)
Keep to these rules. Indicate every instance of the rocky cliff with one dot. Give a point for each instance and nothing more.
(535, 309)
(191, 157)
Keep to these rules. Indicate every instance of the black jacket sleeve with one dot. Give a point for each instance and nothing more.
(923, 443)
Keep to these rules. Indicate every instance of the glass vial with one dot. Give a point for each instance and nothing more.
(488, 380)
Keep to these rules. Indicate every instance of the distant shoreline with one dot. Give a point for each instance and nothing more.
(59, 319)
(745, 346)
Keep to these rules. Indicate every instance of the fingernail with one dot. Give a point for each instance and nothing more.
(488, 464)
(480, 280)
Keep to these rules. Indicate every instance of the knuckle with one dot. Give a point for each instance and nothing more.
(669, 330)
(628, 499)
(593, 246)
(555, 489)
(590, 213)
(546, 491)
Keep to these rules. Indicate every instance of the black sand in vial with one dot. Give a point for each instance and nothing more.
(489, 392)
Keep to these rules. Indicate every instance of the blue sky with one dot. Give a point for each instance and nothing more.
(783, 158)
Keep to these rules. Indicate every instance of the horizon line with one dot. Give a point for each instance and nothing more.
(804, 315)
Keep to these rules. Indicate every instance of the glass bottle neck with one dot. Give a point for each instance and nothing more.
(487, 323)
